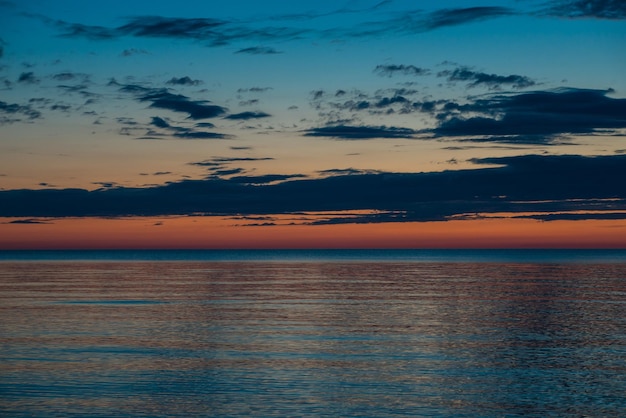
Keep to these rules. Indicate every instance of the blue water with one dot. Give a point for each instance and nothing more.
(459, 334)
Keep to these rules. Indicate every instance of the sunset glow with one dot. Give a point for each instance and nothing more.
(356, 124)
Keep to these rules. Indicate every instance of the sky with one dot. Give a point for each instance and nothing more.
(313, 124)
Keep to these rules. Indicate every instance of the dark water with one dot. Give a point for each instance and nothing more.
(312, 338)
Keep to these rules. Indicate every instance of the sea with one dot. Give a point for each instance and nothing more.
(316, 333)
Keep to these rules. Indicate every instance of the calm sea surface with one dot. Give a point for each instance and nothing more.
(457, 334)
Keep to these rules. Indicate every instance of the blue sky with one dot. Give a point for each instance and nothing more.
(123, 97)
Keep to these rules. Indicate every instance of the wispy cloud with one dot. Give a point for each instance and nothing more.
(348, 132)
(258, 50)
(219, 32)
(70, 76)
(393, 69)
(453, 17)
(254, 90)
(578, 9)
(492, 81)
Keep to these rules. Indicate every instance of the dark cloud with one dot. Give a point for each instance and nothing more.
(390, 70)
(599, 9)
(258, 50)
(452, 17)
(212, 31)
(539, 113)
(248, 115)
(197, 109)
(28, 78)
(556, 185)
(168, 131)
(388, 101)
(163, 99)
(159, 122)
(318, 94)
(13, 112)
(360, 132)
(493, 81)
(183, 81)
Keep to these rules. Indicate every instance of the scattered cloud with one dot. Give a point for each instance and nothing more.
(360, 132)
(13, 112)
(391, 70)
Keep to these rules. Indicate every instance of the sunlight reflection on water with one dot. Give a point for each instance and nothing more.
(311, 339)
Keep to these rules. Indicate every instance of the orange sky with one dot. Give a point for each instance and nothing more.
(214, 232)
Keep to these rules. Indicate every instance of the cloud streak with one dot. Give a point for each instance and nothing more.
(460, 16)
(347, 132)
(219, 32)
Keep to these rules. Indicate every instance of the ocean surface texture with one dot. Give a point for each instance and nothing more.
(363, 334)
